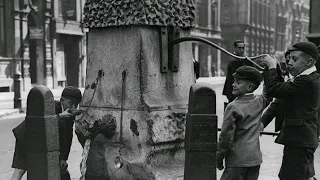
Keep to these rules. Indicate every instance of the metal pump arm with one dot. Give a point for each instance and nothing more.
(200, 39)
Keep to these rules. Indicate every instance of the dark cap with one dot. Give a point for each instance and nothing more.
(248, 73)
(307, 47)
(72, 93)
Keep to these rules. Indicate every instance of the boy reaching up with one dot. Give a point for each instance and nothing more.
(239, 138)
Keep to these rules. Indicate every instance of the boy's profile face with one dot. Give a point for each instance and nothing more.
(68, 103)
(241, 86)
(297, 63)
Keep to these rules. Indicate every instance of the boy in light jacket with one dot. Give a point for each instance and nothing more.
(239, 138)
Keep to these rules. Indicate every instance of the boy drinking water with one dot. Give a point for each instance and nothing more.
(239, 139)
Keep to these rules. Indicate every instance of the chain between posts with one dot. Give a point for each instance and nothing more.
(265, 133)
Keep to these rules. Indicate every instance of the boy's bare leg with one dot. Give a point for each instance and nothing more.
(17, 174)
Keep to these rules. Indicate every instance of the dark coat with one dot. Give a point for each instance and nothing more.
(232, 67)
(299, 107)
(65, 133)
(274, 110)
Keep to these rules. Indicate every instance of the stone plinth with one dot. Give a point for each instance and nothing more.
(149, 106)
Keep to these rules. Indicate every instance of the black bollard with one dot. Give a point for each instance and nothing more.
(42, 135)
(17, 91)
(201, 134)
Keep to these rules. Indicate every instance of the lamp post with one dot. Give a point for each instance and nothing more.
(36, 27)
(17, 87)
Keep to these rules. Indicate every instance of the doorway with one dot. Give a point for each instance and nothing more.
(70, 47)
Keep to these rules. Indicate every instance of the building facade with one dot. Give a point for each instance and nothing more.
(314, 28)
(208, 27)
(62, 36)
(292, 24)
(252, 21)
(266, 26)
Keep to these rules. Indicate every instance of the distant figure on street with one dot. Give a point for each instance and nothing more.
(66, 110)
(196, 69)
(239, 48)
(239, 138)
(299, 109)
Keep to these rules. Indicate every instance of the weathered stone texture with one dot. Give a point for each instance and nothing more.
(166, 126)
(106, 13)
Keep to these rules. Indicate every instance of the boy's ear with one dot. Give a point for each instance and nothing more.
(310, 61)
(251, 87)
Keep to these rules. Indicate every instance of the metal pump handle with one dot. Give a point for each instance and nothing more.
(200, 39)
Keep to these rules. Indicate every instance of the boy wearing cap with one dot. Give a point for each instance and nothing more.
(66, 111)
(239, 138)
(299, 110)
(239, 49)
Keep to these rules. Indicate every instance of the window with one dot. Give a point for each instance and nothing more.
(68, 9)
(2, 30)
(202, 7)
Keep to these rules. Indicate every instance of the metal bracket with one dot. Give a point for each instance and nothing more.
(164, 49)
(174, 50)
(169, 53)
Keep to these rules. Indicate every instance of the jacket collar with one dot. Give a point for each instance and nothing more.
(245, 96)
(306, 72)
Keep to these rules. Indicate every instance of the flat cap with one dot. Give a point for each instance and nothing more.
(307, 47)
(72, 93)
(248, 73)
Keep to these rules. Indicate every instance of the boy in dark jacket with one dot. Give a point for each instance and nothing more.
(239, 139)
(65, 110)
(299, 110)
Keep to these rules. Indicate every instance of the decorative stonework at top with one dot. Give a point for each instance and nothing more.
(106, 13)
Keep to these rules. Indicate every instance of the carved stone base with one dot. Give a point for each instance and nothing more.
(124, 82)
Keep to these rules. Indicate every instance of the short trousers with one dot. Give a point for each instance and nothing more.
(241, 173)
(297, 163)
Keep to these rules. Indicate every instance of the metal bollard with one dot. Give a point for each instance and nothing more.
(17, 91)
(201, 134)
(42, 135)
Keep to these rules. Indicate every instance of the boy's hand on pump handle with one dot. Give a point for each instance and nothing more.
(270, 61)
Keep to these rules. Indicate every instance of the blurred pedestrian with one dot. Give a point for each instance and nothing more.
(300, 101)
(66, 110)
(239, 138)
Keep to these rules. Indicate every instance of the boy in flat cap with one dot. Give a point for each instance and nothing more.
(299, 110)
(239, 138)
(66, 111)
(239, 49)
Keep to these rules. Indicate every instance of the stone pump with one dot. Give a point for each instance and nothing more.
(138, 81)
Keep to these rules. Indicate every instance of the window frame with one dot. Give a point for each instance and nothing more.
(66, 5)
